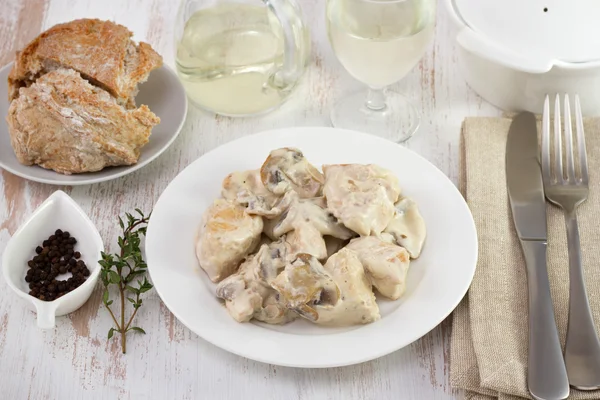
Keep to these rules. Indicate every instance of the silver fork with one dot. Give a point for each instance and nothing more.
(568, 188)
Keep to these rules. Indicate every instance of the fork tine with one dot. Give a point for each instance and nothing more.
(558, 169)
(546, 168)
(581, 141)
(568, 132)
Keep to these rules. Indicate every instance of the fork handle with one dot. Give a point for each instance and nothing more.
(546, 373)
(582, 349)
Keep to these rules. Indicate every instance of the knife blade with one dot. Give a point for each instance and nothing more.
(547, 374)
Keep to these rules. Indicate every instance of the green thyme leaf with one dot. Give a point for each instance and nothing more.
(122, 268)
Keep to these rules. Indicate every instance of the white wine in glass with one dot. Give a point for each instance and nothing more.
(378, 42)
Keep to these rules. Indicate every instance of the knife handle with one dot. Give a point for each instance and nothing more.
(547, 374)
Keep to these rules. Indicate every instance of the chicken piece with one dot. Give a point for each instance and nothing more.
(307, 240)
(303, 284)
(386, 264)
(247, 189)
(362, 197)
(287, 169)
(357, 303)
(408, 227)
(306, 221)
(63, 123)
(247, 295)
(225, 237)
(101, 51)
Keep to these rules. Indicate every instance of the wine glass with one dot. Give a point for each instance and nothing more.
(378, 42)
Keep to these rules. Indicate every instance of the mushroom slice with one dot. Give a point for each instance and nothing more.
(272, 260)
(247, 189)
(305, 222)
(305, 283)
(287, 169)
(361, 196)
(408, 227)
(248, 296)
(357, 303)
(386, 264)
(225, 237)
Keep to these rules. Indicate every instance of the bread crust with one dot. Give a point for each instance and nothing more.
(101, 51)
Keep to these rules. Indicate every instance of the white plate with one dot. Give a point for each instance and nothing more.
(164, 95)
(437, 281)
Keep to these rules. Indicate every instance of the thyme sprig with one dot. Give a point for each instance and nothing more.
(122, 269)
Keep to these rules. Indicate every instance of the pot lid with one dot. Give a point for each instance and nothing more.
(532, 35)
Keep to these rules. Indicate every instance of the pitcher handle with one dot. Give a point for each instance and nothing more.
(294, 41)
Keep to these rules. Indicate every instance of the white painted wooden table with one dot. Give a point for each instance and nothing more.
(75, 361)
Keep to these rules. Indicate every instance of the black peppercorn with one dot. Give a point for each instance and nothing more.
(55, 257)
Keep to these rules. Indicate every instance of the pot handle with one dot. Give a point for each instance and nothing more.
(479, 45)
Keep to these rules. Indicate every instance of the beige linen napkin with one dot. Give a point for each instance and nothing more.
(489, 338)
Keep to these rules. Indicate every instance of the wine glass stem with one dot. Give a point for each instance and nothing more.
(376, 99)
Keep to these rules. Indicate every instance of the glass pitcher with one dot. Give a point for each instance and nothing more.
(240, 57)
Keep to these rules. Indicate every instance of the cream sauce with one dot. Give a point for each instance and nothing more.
(247, 189)
(357, 303)
(333, 245)
(247, 295)
(304, 282)
(408, 227)
(305, 222)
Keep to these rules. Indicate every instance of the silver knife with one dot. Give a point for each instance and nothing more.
(547, 374)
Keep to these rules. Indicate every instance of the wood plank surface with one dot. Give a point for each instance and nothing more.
(75, 361)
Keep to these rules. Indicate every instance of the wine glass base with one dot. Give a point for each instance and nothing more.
(397, 122)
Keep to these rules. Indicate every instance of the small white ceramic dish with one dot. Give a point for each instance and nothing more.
(162, 93)
(59, 211)
(514, 52)
(436, 282)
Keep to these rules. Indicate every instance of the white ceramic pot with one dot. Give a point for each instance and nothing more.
(514, 52)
